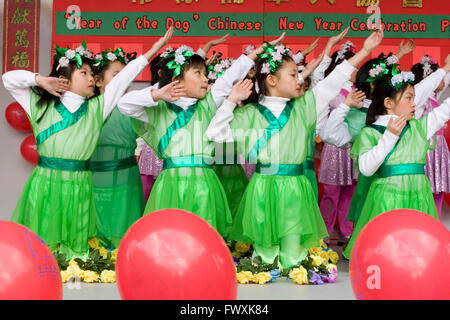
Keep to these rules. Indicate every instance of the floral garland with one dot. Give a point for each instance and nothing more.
(298, 57)
(398, 80)
(99, 267)
(102, 59)
(427, 61)
(217, 69)
(273, 57)
(318, 267)
(249, 49)
(348, 46)
(180, 57)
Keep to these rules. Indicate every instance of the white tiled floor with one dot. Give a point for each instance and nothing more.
(283, 288)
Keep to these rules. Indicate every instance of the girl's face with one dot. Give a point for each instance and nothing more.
(110, 72)
(284, 83)
(402, 105)
(195, 82)
(82, 81)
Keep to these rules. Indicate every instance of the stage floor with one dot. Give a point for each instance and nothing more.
(282, 289)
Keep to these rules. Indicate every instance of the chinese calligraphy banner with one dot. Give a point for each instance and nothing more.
(21, 35)
(136, 24)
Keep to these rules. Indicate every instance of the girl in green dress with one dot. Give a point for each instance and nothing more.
(57, 201)
(173, 120)
(118, 193)
(279, 213)
(392, 149)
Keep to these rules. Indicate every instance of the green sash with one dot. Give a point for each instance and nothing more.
(68, 120)
(188, 161)
(63, 164)
(364, 182)
(182, 119)
(112, 165)
(279, 169)
(275, 125)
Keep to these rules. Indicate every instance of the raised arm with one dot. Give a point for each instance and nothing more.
(19, 83)
(240, 68)
(327, 89)
(219, 128)
(437, 118)
(120, 83)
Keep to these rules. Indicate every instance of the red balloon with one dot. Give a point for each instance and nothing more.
(400, 255)
(173, 254)
(28, 269)
(17, 118)
(28, 149)
(447, 199)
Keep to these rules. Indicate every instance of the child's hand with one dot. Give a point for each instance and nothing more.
(170, 93)
(213, 58)
(396, 126)
(447, 64)
(158, 45)
(404, 49)
(241, 91)
(373, 41)
(53, 85)
(354, 99)
(312, 65)
(218, 41)
(336, 39)
(310, 48)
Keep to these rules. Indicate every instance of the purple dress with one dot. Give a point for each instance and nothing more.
(336, 166)
(149, 163)
(438, 161)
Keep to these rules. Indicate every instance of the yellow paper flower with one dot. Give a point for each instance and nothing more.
(332, 268)
(333, 256)
(299, 275)
(114, 254)
(94, 243)
(108, 276)
(65, 276)
(314, 251)
(236, 254)
(317, 260)
(242, 247)
(244, 277)
(74, 268)
(323, 244)
(262, 278)
(89, 276)
(324, 255)
(103, 252)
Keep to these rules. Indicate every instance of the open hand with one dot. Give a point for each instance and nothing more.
(354, 99)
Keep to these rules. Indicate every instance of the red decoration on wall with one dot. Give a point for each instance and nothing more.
(21, 35)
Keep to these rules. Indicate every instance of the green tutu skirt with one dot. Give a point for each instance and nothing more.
(276, 206)
(389, 193)
(194, 189)
(119, 203)
(59, 206)
(234, 182)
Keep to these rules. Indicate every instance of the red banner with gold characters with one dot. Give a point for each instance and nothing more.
(21, 35)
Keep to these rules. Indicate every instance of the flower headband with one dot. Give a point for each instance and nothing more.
(382, 68)
(273, 57)
(216, 70)
(348, 46)
(65, 55)
(400, 79)
(249, 49)
(180, 56)
(427, 61)
(102, 59)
